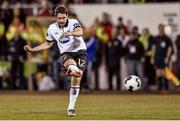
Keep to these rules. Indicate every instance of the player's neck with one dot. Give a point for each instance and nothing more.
(65, 25)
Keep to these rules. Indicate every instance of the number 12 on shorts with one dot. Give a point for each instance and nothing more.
(81, 62)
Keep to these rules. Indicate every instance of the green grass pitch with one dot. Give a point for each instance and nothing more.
(110, 106)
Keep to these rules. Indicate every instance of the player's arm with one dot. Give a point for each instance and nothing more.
(43, 46)
(78, 31)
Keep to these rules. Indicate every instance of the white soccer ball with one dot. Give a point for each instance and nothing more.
(132, 83)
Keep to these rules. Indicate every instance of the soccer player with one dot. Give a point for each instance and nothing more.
(68, 35)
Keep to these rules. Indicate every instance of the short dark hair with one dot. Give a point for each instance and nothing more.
(60, 9)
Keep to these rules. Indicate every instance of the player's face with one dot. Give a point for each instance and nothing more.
(61, 19)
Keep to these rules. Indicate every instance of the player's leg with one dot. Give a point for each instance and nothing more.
(73, 94)
(76, 68)
(75, 85)
(69, 65)
(72, 69)
(81, 62)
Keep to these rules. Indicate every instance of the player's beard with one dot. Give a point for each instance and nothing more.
(62, 24)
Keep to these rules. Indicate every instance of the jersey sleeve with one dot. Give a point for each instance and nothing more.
(76, 24)
(49, 37)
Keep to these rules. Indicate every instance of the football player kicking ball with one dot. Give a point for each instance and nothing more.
(68, 34)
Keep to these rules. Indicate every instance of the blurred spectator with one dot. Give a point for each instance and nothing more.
(18, 12)
(36, 36)
(107, 25)
(17, 55)
(123, 37)
(98, 61)
(2, 50)
(113, 55)
(56, 66)
(147, 40)
(6, 14)
(121, 25)
(177, 42)
(3, 42)
(91, 44)
(129, 25)
(4, 74)
(12, 29)
(94, 50)
(46, 8)
(162, 50)
(135, 31)
(104, 31)
(104, 34)
(134, 51)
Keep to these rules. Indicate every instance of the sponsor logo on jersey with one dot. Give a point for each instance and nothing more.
(64, 40)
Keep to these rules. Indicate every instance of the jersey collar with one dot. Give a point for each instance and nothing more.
(66, 24)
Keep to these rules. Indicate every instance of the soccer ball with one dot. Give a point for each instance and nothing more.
(132, 83)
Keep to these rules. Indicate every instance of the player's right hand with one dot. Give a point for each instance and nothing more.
(28, 48)
(65, 34)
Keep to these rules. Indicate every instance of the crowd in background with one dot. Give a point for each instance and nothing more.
(108, 44)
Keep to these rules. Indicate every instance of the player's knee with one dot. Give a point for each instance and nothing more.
(69, 62)
(73, 68)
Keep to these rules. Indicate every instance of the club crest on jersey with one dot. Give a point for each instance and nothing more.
(64, 40)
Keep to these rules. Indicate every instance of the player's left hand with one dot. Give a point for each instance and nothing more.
(65, 34)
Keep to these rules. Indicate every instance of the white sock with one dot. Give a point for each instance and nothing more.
(73, 94)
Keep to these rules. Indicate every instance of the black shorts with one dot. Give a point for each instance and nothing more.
(80, 57)
(159, 63)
